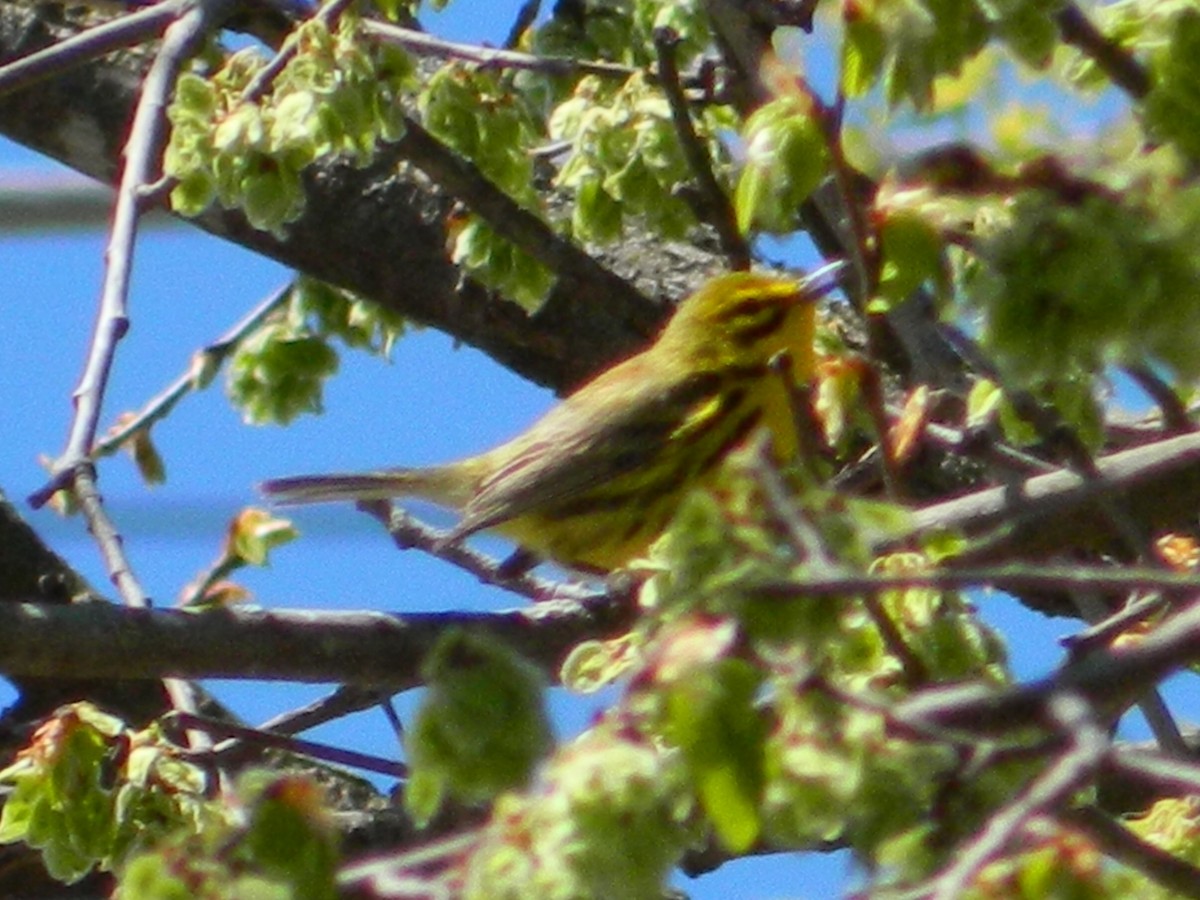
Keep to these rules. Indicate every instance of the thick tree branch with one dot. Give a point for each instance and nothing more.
(376, 649)
(1157, 485)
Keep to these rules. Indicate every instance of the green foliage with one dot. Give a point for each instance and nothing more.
(912, 255)
(480, 729)
(603, 820)
(753, 676)
(277, 373)
(592, 665)
(624, 159)
(753, 708)
(477, 114)
(277, 844)
(1173, 107)
(786, 159)
(713, 720)
(336, 96)
(906, 45)
(622, 31)
(251, 537)
(276, 376)
(735, 722)
(1102, 279)
(89, 792)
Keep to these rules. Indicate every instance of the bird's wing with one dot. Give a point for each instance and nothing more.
(593, 437)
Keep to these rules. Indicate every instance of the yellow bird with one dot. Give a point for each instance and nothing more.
(599, 477)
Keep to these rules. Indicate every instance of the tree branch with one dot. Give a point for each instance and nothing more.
(99, 640)
(1157, 485)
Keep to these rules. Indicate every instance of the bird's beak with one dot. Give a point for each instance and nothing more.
(826, 279)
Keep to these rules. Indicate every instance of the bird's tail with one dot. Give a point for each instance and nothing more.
(440, 484)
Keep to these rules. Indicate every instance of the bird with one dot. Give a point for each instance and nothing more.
(594, 482)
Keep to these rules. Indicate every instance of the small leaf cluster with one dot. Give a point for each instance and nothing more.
(1166, 35)
(481, 726)
(622, 31)
(787, 157)
(1103, 279)
(280, 845)
(1056, 860)
(904, 46)
(89, 792)
(605, 818)
(753, 713)
(1173, 106)
(278, 372)
(477, 113)
(249, 540)
(624, 159)
(336, 96)
(776, 699)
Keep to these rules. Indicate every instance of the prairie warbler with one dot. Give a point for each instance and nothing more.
(599, 477)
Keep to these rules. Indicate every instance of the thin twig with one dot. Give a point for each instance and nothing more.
(405, 874)
(190, 26)
(327, 15)
(524, 18)
(1162, 725)
(159, 406)
(1110, 679)
(1014, 577)
(1174, 411)
(410, 533)
(108, 539)
(116, 34)
(845, 177)
(810, 545)
(1177, 875)
(342, 701)
(873, 393)
(720, 213)
(1117, 63)
(427, 45)
(1088, 745)
(237, 737)
(388, 708)
(964, 442)
(1138, 765)
(182, 694)
(142, 148)
(1107, 629)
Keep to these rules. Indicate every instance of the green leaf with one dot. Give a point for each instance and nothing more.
(1027, 27)
(274, 375)
(1173, 106)
(290, 839)
(593, 665)
(712, 717)
(863, 50)
(194, 192)
(786, 159)
(912, 255)
(481, 727)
